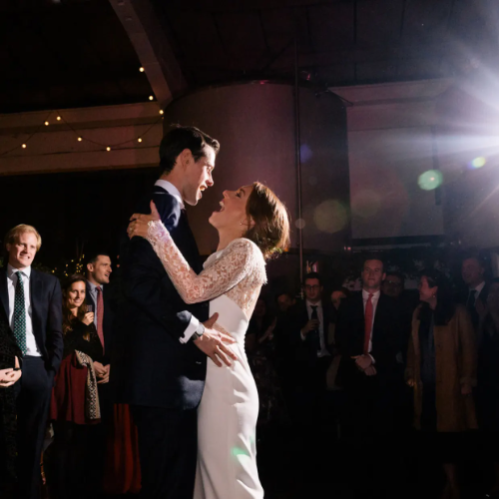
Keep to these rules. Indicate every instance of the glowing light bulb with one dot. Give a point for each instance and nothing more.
(141, 69)
(151, 97)
(161, 111)
(80, 139)
(46, 124)
(139, 140)
(24, 146)
(58, 118)
(108, 148)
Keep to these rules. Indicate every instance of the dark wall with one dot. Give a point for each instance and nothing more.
(72, 210)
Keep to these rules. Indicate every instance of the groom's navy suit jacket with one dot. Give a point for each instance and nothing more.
(150, 366)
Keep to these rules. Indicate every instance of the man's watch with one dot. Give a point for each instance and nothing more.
(198, 333)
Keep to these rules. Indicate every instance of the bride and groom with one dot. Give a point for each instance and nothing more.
(181, 363)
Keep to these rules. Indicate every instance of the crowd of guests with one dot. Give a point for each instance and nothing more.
(385, 365)
(368, 364)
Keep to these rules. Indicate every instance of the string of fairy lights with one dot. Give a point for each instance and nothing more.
(55, 117)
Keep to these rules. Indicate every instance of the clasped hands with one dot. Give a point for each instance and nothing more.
(364, 362)
(9, 376)
(102, 372)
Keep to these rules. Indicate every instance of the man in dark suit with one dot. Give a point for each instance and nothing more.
(369, 339)
(368, 336)
(161, 343)
(98, 270)
(473, 275)
(32, 301)
(311, 322)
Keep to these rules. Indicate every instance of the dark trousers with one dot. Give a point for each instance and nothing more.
(33, 393)
(168, 451)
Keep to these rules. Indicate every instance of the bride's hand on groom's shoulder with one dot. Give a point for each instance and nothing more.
(213, 343)
(138, 225)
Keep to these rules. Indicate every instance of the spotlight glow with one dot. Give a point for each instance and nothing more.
(139, 140)
(141, 69)
(58, 118)
(151, 97)
(108, 149)
(80, 139)
(46, 124)
(24, 146)
(430, 180)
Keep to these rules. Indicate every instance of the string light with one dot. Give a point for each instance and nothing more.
(80, 138)
(151, 97)
(141, 69)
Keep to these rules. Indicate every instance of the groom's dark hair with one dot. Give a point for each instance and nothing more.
(180, 138)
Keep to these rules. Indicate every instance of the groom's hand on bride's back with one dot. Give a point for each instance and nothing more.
(214, 343)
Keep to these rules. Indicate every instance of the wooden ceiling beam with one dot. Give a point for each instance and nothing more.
(152, 47)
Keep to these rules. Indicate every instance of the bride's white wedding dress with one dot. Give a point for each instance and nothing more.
(227, 416)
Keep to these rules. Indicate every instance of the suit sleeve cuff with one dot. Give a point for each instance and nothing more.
(194, 323)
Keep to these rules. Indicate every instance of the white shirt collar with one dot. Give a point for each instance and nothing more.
(366, 294)
(94, 287)
(310, 304)
(171, 189)
(12, 270)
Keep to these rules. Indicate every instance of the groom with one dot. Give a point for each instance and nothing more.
(160, 358)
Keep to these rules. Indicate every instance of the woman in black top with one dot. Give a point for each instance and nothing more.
(10, 373)
(71, 460)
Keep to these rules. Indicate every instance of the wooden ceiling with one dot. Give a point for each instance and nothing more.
(72, 53)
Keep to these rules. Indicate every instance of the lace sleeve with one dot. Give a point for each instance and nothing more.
(225, 274)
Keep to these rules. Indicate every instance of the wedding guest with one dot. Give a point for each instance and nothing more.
(10, 372)
(32, 302)
(73, 454)
(260, 348)
(368, 336)
(442, 357)
(98, 271)
(311, 324)
(473, 275)
(488, 388)
(338, 296)
(285, 301)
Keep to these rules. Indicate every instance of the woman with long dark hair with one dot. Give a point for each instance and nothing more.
(442, 361)
(75, 402)
(10, 373)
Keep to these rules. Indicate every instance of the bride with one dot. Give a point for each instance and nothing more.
(252, 224)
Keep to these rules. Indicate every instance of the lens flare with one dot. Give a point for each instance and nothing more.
(330, 216)
(478, 162)
(430, 180)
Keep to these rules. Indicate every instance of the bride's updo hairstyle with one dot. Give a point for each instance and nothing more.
(271, 232)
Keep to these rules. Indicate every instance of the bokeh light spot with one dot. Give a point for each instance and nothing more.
(478, 162)
(305, 153)
(330, 216)
(366, 203)
(430, 180)
(300, 223)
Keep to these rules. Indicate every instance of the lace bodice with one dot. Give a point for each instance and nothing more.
(237, 271)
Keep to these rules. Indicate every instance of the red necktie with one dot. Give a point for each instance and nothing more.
(100, 315)
(368, 322)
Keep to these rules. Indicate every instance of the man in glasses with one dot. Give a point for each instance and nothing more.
(312, 323)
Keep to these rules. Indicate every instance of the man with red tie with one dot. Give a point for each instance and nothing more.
(99, 270)
(368, 334)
